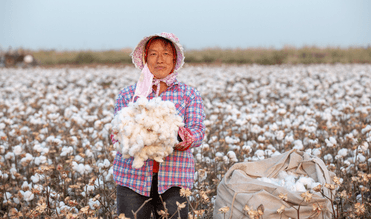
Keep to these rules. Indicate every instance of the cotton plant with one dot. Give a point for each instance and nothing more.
(146, 130)
(326, 110)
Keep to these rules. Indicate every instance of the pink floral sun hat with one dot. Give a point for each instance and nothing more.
(138, 52)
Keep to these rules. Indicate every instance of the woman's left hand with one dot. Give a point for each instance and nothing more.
(187, 139)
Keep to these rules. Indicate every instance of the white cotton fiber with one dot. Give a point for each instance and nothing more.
(291, 181)
(146, 130)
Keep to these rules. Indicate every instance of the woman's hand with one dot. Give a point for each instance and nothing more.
(186, 138)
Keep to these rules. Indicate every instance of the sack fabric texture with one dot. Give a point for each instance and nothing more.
(240, 187)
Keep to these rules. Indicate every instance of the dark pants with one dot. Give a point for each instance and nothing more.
(128, 200)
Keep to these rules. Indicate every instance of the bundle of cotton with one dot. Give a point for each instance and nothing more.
(292, 181)
(146, 129)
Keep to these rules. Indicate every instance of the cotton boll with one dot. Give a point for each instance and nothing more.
(246, 149)
(45, 150)
(282, 174)
(13, 171)
(154, 152)
(98, 124)
(28, 196)
(149, 138)
(134, 134)
(299, 187)
(36, 178)
(149, 122)
(135, 149)
(93, 204)
(145, 153)
(26, 186)
(306, 181)
(66, 151)
(87, 188)
(261, 138)
(343, 152)
(16, 200)
(361, 158)
(10, 156)
(141, 118)
(328, 157)
(88, 153)
(159, 157)
(366, 129)
(289, 139)
(27, 158)
(256, 129)
(138, 162)
(331, 142)
(364, 146)
(127, 129)
(151, 105)
(298, 145)
(178, 121)
(276, 153)
(7, 196)
(125, 152)
(155, 127)
(347, 163)
(78, 158)
(37, 161)
(3, 176)
(259, 153)
(199, 156)
(232, 156)
(17, 150)
(226, 159)
(316, 152)
(218, 154)
(98, 146)
(73, 140)
(274, 127)
(280, 135)
(142, 102)
(2, 149)
(109, 176)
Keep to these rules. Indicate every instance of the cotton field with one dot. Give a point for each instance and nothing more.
(56, 154)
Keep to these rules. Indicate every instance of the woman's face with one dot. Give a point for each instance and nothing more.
(160, 59)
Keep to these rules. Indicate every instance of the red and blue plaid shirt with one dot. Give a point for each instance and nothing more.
(178, 168)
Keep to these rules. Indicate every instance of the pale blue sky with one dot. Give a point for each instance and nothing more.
(114, 24)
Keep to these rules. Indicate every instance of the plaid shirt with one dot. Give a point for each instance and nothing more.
(178, 168)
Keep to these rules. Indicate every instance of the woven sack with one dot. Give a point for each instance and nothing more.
(240, 187)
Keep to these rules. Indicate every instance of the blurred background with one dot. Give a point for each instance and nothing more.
(234, 31)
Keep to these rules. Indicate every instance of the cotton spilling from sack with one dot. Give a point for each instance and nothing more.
(291, 181)
(146, 130)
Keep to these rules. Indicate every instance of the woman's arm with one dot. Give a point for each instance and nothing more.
(193, 131)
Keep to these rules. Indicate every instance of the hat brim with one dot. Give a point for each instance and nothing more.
(137, 54)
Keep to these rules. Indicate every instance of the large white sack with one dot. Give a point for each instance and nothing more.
(240, 186)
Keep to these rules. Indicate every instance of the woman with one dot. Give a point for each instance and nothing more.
(159, 57)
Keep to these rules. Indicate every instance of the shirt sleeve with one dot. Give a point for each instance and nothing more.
(121, 101)
(194, 119)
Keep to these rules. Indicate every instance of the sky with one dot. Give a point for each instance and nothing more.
(199, 24)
